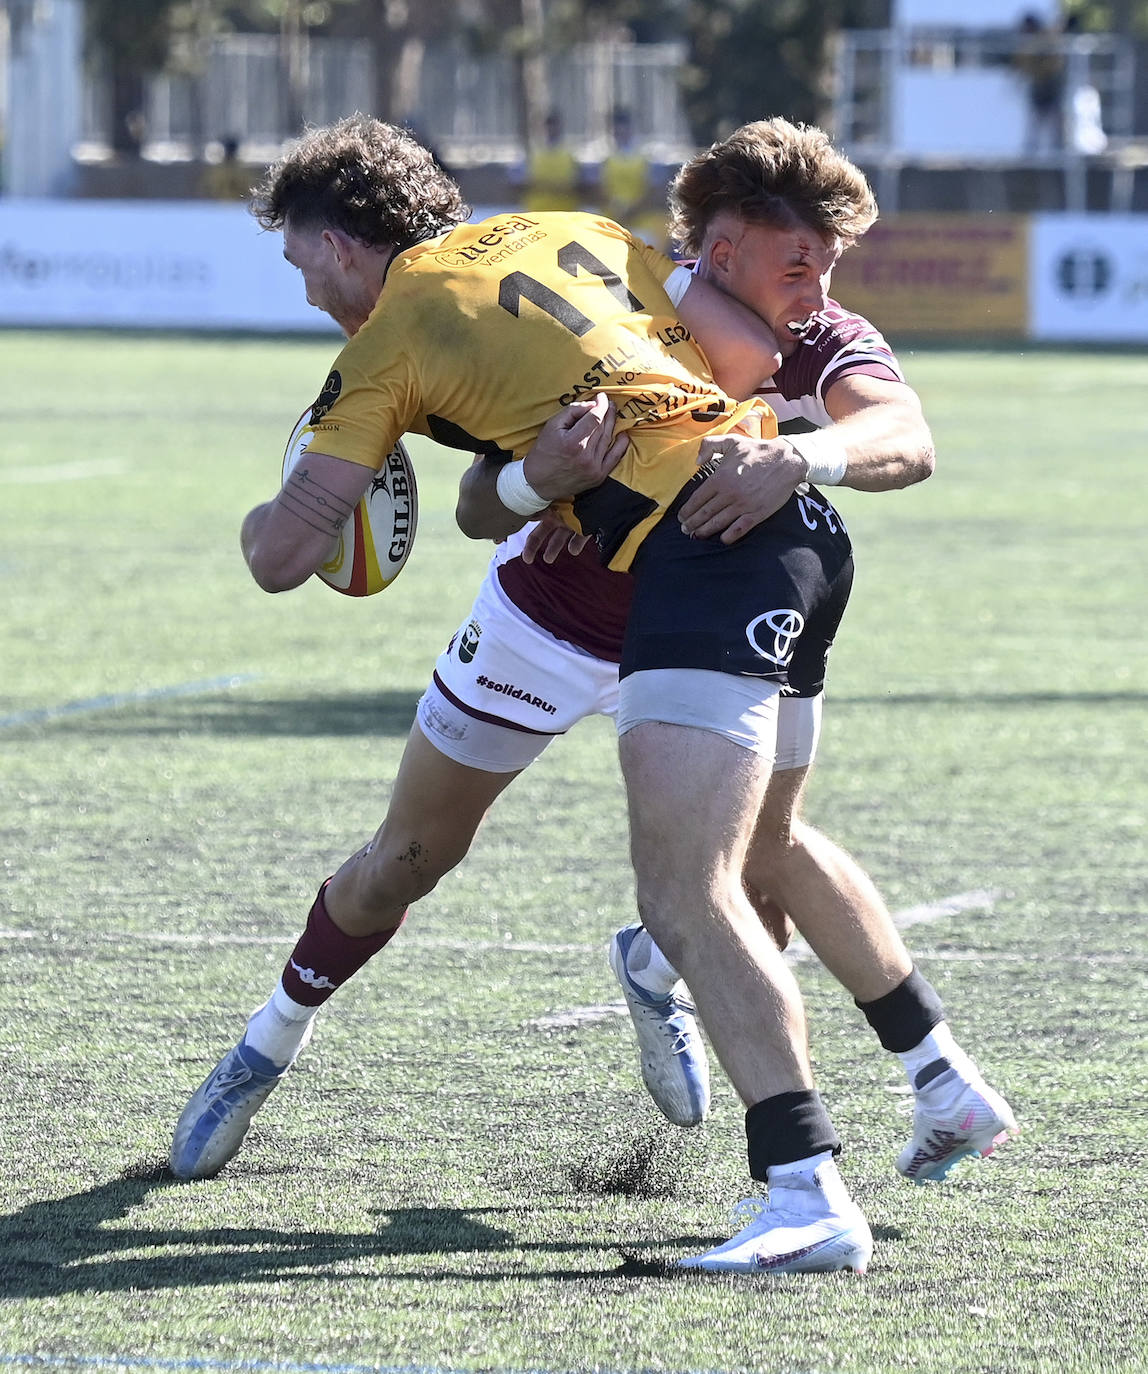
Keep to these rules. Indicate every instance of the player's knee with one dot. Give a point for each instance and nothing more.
(772, 846)
(773, 918)
(682, 914)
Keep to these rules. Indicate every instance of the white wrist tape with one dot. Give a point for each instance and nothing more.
(825, 454)
(677, 284)
(516, 493)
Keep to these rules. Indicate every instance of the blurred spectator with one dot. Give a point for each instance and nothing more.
(227, 179)
(624, 174)
(630, 185)
(1040, 61)
(550, 178)
(1085, 129)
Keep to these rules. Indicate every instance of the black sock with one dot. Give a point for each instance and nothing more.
(903, 1017)
(787, 1127)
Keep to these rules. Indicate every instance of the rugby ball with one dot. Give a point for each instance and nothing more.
(375, 544)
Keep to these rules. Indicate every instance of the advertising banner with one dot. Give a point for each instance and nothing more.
(1090, 278)
(957, 275)
(179, 265)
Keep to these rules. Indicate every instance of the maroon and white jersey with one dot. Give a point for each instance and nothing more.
(579, 600)
(836, 343)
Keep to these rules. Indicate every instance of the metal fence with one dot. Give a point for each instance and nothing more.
(261, 89)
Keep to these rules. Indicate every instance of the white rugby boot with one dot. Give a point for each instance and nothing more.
(955, 1114)
(807, 1225)
(674, 1065)
(212, 1126)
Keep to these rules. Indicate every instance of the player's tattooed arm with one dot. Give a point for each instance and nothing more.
(285, 540)
(305, 497)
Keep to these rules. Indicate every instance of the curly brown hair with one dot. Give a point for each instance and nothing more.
(374, 181)
(772, 172)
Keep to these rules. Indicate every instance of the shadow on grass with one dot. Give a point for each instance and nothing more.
(351, 713)
(993, 698)
(73, 1245)
(391, 713)
(1019, 699)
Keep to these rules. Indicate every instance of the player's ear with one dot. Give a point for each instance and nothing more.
(339, 244)
(717, 258)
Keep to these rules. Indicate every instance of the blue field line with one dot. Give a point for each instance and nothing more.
(114, 1362)
(133, 1362)
(119, 699)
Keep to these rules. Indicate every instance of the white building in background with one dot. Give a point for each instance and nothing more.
(946, 87)
(42, 94)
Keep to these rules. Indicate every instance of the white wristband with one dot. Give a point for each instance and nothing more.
(825, 454)
(516, 493)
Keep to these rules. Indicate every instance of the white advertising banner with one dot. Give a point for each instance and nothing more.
(1088, 278)
(161, 264)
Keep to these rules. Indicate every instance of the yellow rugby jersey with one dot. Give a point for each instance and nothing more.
(480, 336)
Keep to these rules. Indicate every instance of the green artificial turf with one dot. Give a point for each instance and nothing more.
(464, 1171)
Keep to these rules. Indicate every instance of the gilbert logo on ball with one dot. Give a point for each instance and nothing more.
(376, 542)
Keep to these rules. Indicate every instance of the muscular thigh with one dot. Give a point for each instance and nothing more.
(694, 798)
(437, 806)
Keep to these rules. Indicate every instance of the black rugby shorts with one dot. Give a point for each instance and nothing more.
(767, 606)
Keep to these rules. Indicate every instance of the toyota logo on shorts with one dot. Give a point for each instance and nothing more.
(785, 625)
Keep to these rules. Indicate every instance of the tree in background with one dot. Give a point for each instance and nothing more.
(131, 40)
(1128, 18)
(749, 60)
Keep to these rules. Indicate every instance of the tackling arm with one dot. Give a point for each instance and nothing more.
(883, 429)
(740, 347)
(574, 451)
(878, 431)
(479, 512)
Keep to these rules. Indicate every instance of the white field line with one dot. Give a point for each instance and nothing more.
(917, 915)
(127, 1364)
(116, 700)
(925, 914)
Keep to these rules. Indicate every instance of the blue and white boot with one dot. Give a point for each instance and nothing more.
(214, 1122)
(674, 1065)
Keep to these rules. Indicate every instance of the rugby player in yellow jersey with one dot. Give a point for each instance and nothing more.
(668, 721)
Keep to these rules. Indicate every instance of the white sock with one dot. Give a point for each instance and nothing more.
(938, 1044)
(649, 968)
(825, 1189)
(800, 1166)
(279, 1027)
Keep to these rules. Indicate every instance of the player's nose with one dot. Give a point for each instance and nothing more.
(814, 298)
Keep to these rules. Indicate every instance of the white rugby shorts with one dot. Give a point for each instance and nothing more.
(504, 687)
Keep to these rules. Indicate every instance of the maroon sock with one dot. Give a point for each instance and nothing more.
(325, 958)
